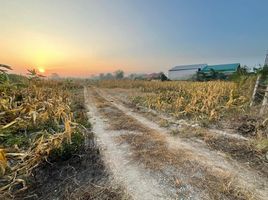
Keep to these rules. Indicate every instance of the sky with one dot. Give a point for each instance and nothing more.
(85, 37)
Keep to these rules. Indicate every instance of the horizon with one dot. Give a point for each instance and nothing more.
(82, 38)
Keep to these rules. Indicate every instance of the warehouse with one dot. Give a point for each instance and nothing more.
(184, 72)
(226, 69)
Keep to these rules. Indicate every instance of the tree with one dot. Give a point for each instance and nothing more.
(108, 76)
(242, 70)
(101, 76)
(163, 77)
(264, 71)
(132, 76)
(119, 74)
(200, 76)
(55, 76)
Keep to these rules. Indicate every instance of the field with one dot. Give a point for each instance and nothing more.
(44, 129)
(205, 130)
(124, 139)
(198, 100)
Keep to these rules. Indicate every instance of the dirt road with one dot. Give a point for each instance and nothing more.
(152, 164)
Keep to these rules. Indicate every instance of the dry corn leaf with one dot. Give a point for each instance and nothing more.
(9, 124)
(3, 162)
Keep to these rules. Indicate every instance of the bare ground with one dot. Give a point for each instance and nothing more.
(139, 183)
(152, 164)
(226, 140)
(190, 169)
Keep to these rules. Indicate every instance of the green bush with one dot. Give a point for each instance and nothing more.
(67, 150)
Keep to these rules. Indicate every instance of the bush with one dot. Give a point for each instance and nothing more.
(67, 150)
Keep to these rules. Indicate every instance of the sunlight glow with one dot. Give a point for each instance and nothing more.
(41, 70)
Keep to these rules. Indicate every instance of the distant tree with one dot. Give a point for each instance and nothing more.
(119, 74)
(242, 70)
(240, 74)
(201, 76)
(211, 75)
(140, 77)
(54, 76)
(163, 77)
(108, 76)
(132, 76)
(264, 72)
(101, 76)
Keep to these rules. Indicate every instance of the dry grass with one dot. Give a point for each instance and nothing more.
(198, 100)
(251, 153)
(34, 119)
(99, 192)
(83, 175)
(117, 119)
(246, 152)
(150, 149)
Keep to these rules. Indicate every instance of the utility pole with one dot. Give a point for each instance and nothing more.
(265, 98)
(255, 91)
(266, 59)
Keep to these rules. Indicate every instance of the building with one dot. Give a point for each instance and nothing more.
(184, 72)
(226, 69)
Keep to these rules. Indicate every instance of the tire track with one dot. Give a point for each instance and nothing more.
(243, 177)
(138, 182)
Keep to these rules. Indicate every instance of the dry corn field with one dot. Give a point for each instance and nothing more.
(209, 100)
(153, 134)
(123, 139)
(45, 133)
(27, 117)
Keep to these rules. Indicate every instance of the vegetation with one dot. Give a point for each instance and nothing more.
(198, 100)
(36, 119)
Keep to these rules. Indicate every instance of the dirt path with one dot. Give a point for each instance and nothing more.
(154, 165)
(138, 182)
(226, 141)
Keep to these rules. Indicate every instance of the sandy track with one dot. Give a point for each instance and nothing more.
(152, 186)
(139, 184)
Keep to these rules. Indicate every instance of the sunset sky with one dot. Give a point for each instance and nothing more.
(84, 37)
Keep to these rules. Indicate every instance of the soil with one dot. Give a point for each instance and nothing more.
(135, 153)
(83, 176)
(195, 164)
(138, 182)
(235, 140)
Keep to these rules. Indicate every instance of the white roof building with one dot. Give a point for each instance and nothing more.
(184, 72)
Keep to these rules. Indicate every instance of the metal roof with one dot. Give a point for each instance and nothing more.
(187, 67)
(223, 67)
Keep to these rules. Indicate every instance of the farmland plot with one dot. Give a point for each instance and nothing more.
(184, 158)
(47, 150)
(130, 140)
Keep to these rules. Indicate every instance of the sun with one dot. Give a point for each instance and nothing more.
(41, 70)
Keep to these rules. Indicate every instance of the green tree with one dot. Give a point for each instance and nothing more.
(119, 74)
(163, 77)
